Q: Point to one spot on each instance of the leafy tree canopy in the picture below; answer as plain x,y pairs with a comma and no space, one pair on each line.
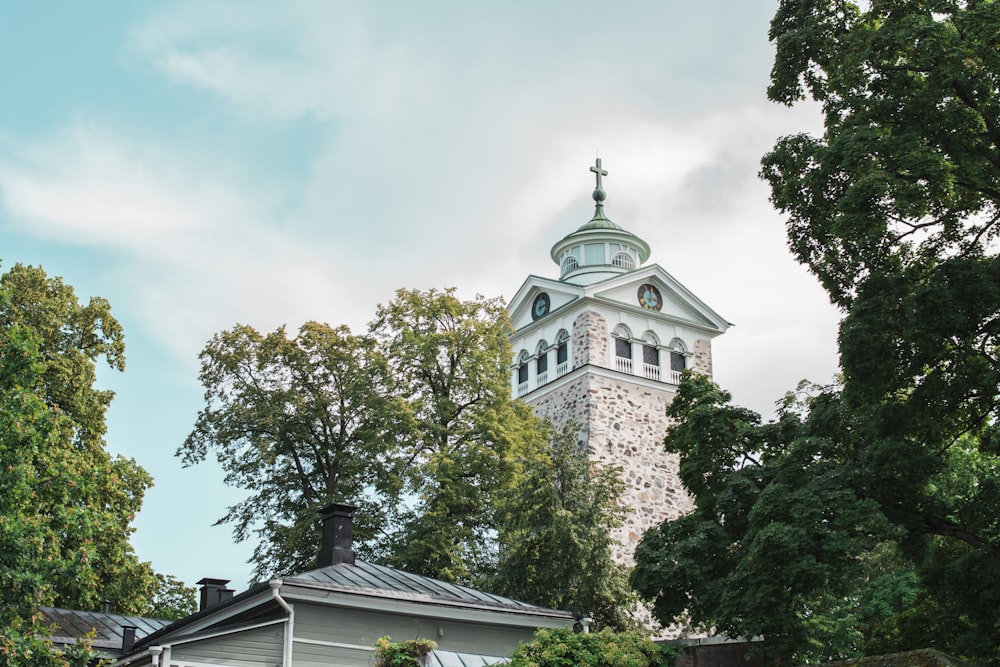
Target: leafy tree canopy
66,505
562,647
554,532
797,536
907,169
413,421
863,519
300,423
449,361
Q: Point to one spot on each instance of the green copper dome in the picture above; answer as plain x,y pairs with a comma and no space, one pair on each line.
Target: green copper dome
599,249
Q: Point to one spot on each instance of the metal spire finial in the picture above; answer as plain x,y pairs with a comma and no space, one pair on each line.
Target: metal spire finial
598,191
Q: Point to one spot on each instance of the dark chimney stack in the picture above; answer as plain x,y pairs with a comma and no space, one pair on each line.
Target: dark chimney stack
128,638
213,591
338,535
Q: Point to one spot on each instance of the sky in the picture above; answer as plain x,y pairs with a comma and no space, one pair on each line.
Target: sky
203,164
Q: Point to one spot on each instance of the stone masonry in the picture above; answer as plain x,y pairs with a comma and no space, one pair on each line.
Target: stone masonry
623,422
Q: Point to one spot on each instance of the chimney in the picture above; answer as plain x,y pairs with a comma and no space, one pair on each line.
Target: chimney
338,535
213,591
128,638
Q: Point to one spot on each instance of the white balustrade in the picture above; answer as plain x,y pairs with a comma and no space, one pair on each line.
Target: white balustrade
623,364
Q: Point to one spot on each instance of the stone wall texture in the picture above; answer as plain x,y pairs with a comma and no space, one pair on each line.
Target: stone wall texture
589,340
702,357
623,423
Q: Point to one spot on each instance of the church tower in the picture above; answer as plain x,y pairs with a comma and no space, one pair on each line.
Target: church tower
604,345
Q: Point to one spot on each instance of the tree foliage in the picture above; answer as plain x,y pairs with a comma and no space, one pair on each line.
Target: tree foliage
562,647
864,518
907,170
776,546
66,505
407,653
300,423
24,642
449,361
554,532
413,421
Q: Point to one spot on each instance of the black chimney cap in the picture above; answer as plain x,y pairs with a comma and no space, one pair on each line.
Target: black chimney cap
337,546
213,591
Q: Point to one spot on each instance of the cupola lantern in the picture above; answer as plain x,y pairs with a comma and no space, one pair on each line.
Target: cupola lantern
600,249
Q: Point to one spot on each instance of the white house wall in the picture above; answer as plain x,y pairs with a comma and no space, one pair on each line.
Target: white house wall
328,635
260,647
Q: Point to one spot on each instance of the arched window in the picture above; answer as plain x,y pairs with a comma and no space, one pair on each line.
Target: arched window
562,353
542,364
624,260
623,348
650,356
678,360
569,264
522,373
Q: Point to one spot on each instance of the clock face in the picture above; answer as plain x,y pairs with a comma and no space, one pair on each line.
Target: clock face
650,297
540,308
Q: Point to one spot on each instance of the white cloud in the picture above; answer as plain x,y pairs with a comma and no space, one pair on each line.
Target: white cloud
195,251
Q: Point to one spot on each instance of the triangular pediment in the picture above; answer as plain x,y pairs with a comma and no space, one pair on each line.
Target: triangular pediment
539,297
656,292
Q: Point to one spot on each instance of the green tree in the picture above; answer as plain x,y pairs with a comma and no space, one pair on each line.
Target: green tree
895,209
173,600
299,423
71,337
907,168
449,360
66,505
554,532
562,647
25,642
773,548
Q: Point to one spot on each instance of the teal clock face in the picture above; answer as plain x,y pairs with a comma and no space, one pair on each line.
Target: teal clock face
650,297
540,307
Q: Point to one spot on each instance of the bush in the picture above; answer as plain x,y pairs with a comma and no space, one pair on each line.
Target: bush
564,648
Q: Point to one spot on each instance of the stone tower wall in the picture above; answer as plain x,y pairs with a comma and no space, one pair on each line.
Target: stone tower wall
589,340
702,357
623,423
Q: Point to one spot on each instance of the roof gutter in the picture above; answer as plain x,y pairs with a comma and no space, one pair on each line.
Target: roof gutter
286,651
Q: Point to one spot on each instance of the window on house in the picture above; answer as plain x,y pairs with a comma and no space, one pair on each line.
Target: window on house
650,355
623,355
623,260
677,361
542,363
651,362
562,354
569,264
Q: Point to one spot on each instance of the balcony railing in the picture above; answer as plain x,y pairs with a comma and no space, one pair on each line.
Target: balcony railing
651,371
562,369
623,364
522,388
543,377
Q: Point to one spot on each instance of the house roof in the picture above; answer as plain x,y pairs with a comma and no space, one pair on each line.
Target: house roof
364,580
69,625
452,659
378,580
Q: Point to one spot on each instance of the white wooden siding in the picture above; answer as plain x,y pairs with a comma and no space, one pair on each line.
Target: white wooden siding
361,628
252,648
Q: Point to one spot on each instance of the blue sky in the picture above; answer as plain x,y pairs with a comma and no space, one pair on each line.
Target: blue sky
212,163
